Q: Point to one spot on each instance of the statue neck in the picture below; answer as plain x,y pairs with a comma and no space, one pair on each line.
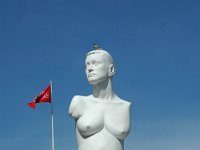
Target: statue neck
104,90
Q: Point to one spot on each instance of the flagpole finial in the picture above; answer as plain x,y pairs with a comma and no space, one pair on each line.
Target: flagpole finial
96,47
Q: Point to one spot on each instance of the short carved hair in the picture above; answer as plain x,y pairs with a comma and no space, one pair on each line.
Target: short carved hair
105,53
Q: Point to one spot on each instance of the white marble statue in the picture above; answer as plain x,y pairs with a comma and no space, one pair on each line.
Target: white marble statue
102,119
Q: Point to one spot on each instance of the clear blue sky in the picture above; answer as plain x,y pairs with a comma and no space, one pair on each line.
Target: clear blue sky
156,48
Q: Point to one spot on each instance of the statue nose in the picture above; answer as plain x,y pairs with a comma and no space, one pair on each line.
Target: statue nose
90,69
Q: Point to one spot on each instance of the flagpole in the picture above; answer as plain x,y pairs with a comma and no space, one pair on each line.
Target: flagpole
52,119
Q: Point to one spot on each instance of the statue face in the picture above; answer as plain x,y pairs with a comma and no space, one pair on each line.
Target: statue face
97,68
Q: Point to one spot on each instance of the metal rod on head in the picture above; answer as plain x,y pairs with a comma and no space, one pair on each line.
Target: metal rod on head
96,47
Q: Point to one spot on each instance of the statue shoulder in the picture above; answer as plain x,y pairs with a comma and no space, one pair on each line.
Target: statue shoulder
76,106
80,97
125,103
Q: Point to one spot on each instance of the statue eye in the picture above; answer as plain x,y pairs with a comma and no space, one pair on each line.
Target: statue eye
87,64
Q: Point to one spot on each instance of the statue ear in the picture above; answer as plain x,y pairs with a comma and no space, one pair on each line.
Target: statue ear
111,70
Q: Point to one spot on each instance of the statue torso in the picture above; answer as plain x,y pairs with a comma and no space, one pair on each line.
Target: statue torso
100,124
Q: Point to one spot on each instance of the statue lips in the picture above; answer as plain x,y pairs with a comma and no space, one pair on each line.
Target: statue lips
91,75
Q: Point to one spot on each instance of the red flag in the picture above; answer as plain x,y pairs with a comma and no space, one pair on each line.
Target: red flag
44,96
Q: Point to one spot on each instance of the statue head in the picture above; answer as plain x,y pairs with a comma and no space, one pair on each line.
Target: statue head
99,66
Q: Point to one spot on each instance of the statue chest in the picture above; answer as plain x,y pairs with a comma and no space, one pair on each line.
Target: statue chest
95,116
